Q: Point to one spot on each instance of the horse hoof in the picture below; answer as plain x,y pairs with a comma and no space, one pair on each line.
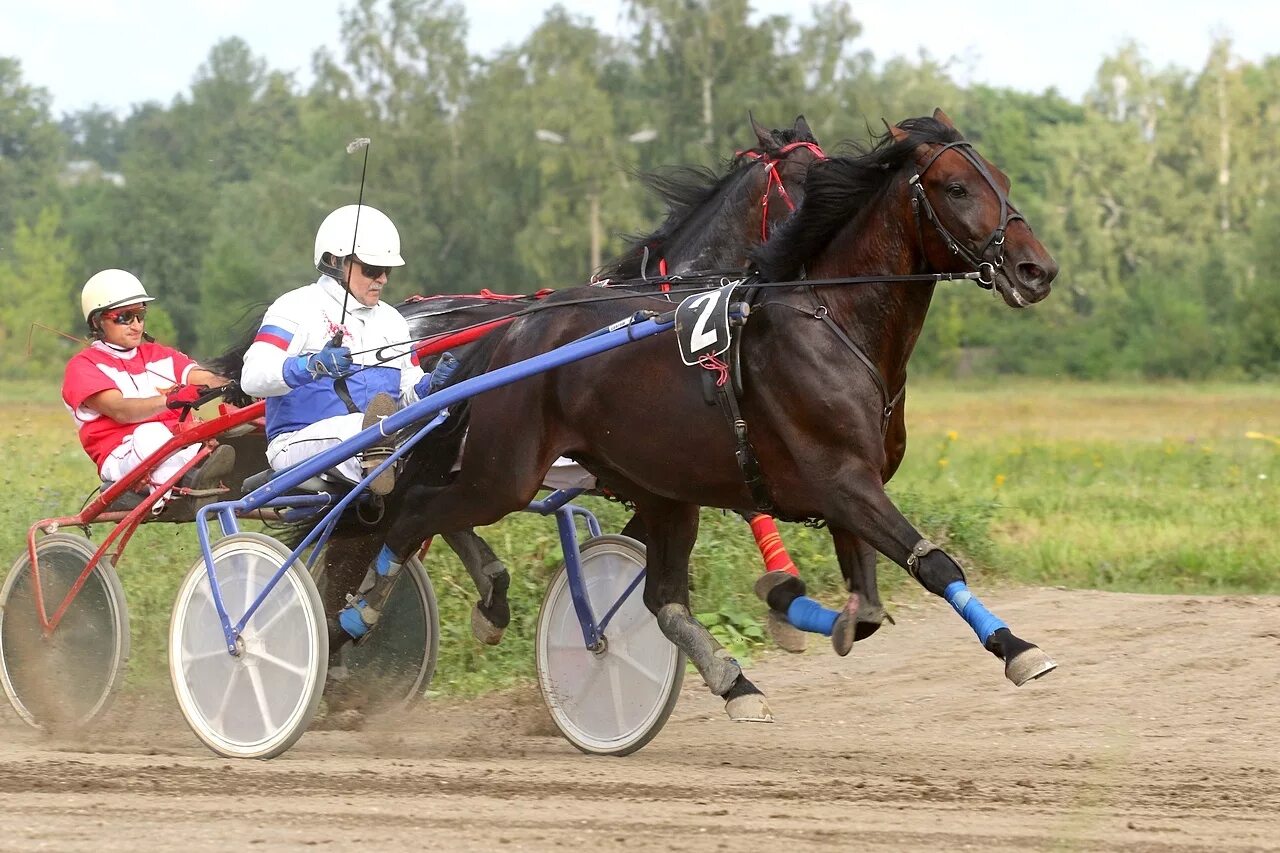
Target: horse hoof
844,632
767,581
1028,665
750,708
484,630
788,637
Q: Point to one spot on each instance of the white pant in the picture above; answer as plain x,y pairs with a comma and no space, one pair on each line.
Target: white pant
141,443
567,474
289,449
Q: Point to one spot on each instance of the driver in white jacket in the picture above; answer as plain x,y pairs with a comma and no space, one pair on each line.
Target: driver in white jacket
298,365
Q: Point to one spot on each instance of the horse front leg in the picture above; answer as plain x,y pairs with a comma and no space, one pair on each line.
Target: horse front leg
866,510
862,614
671,529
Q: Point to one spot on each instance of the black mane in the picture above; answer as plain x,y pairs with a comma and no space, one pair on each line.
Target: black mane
837,190
686,190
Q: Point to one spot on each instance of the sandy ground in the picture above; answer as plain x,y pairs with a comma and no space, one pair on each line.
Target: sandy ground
1159,731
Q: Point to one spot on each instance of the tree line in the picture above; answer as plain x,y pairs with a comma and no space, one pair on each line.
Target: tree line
516,171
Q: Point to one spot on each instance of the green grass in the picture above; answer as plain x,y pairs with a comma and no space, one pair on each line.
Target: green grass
1152,488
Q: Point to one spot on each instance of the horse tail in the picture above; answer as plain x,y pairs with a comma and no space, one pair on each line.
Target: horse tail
230,363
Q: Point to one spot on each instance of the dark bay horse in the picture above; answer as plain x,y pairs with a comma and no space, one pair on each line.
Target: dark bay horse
819,358
714,220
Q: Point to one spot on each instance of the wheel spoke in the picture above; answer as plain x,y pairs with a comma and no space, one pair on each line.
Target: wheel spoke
260,696
281,663
630,661
190,658
281,610
615,687
216,720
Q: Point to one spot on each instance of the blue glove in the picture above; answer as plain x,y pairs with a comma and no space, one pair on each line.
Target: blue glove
437,378
331,361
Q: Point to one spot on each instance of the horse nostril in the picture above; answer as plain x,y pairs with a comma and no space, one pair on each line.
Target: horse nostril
1031,275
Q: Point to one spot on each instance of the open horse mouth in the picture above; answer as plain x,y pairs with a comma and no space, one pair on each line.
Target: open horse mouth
1028,284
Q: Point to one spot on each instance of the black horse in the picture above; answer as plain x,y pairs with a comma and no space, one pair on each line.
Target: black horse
820,360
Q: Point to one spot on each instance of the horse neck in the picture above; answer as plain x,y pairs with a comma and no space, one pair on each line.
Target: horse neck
884,319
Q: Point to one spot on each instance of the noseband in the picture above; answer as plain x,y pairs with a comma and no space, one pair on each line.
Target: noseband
995,243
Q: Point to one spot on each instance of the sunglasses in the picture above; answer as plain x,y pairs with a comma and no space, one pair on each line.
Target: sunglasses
371,271
125,316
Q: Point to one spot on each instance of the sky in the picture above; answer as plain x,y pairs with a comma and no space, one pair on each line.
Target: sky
117,53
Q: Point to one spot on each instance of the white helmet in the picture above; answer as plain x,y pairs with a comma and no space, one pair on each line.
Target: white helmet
377,243
110,289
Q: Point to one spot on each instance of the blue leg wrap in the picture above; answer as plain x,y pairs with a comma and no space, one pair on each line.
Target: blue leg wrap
383,564
352,621
809,615
983,622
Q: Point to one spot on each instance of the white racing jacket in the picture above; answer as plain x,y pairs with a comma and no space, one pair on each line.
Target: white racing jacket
303,321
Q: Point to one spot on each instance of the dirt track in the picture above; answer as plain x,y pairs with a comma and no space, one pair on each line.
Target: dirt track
1160,731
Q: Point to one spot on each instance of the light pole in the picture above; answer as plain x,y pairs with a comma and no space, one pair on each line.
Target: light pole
646,134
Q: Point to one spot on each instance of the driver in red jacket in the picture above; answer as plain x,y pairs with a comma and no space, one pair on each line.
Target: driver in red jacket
125,391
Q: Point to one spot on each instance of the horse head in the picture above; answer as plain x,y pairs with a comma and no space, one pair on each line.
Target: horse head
715,219
920,200
960,203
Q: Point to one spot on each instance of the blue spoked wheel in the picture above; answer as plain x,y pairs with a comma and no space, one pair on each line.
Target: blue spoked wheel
614,700
257,702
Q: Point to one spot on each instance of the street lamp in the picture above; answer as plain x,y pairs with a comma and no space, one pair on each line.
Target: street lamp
641,136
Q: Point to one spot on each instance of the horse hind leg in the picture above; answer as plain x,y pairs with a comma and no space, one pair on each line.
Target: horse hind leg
672,528
492,613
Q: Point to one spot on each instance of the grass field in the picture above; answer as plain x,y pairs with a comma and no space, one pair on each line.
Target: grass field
1148,488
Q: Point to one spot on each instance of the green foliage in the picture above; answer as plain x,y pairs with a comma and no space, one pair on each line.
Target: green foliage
517,171
43,292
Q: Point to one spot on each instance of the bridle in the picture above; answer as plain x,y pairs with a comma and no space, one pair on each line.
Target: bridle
994,243
773,179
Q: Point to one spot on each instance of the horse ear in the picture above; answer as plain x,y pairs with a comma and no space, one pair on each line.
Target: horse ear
898,134
763,134
942,118
801,129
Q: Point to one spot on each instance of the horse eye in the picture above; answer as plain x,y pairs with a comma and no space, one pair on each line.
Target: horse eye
956,191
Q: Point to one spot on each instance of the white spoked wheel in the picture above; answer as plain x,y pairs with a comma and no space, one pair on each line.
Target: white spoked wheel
66,680
390,668
258,702
614,700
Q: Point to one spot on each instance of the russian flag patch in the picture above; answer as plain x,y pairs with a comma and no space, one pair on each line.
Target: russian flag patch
275,336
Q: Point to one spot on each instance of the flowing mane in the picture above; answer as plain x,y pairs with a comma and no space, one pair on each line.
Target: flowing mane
693,195
837,190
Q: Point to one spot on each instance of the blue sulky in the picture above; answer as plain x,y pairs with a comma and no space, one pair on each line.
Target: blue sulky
434,410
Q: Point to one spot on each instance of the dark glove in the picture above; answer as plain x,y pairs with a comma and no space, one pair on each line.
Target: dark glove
331,361
437,378
181,396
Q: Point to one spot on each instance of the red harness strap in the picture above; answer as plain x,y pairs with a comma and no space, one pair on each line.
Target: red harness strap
486,294
440,343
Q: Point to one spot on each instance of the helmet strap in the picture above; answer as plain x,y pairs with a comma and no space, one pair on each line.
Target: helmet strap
332,268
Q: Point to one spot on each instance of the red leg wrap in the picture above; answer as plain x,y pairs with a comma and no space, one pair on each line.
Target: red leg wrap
776,558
